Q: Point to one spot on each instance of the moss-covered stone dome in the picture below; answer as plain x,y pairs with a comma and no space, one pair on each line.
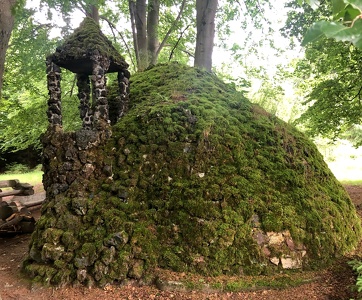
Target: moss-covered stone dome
200,180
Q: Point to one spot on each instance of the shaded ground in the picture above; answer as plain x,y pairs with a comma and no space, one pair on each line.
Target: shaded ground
334,283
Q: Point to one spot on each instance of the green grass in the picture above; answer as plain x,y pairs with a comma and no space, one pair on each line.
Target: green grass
34,177
344,160
351,181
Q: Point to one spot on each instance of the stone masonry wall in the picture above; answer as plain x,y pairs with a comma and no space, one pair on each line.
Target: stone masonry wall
72,159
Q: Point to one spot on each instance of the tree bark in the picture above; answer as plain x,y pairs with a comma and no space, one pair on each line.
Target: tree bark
205,25
94,13
6,27
132,13
152,30
141,27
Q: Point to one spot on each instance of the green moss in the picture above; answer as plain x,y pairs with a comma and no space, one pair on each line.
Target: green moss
69,240
51,235
44,273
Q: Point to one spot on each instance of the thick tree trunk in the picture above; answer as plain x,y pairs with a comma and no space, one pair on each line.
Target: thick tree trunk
132,13
152,30
94,13
205,25
6,27
141,27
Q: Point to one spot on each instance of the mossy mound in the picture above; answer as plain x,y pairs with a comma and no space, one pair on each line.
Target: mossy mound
202,181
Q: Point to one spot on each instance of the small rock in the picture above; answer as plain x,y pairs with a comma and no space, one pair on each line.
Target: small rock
261,238
81,275
290,243
266,251
290,263
275,260
275,238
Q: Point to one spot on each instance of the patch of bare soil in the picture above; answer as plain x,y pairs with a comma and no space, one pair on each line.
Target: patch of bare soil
336,283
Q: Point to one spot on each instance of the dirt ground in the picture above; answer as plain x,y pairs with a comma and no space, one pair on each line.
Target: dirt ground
336,283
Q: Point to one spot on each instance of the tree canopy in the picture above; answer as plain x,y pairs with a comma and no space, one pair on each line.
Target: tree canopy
329,72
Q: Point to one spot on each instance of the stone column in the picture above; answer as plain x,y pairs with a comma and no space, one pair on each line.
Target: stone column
54,112
100,67
123,84
85,110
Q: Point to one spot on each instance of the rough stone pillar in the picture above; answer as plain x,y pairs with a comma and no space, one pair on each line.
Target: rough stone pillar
123,84
54,112
85,110
100,67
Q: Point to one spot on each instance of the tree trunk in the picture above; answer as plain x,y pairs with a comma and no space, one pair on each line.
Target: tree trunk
95,13
6,27
141,27
152,30
205,25
132,13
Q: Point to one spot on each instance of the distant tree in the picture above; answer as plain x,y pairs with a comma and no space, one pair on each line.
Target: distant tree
145,20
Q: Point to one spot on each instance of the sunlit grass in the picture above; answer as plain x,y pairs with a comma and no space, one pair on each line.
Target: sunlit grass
351,182
344,160
347,171
33,178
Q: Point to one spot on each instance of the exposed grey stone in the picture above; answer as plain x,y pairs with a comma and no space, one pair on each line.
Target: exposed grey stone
81,275
291,262
51,252
118,240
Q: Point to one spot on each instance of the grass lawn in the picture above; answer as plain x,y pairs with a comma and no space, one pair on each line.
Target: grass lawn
34,177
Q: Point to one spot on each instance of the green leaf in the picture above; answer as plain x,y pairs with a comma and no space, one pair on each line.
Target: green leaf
350,34
320,29
355,3
313,3
351,13
337,6
348,14
336,31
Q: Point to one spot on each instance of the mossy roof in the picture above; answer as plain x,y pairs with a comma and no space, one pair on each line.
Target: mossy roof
87,40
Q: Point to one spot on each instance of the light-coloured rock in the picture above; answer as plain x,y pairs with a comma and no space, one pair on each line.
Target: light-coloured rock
289,262
275,260
275,238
